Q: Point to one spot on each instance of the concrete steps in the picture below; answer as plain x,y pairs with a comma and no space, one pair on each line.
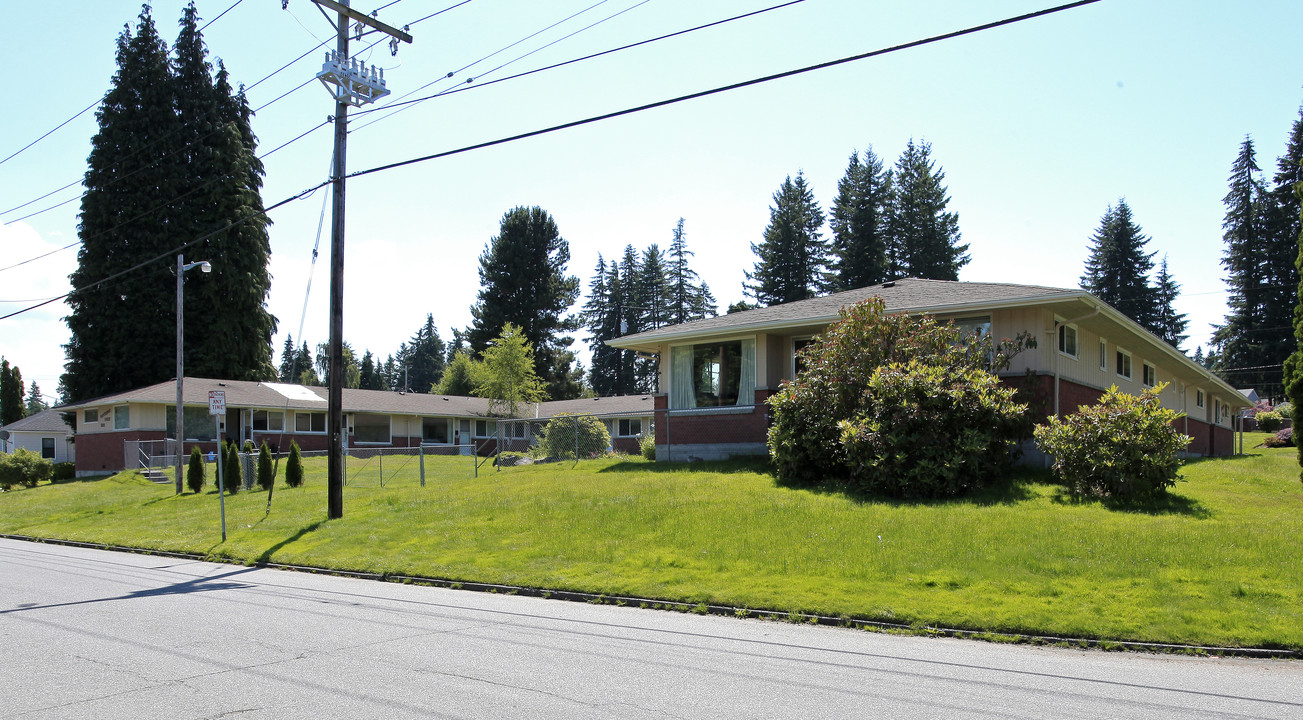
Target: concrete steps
154,475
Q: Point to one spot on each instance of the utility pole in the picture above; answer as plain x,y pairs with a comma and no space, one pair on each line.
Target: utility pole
351,84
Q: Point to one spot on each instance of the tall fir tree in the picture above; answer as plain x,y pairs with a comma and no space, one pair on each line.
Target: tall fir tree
12,407
424,357
115,344
1247,341
285,372
924,237
1286,222
35,400
602,321
859,220
523,281
1169,324
791,259
1117,269
689,298
653,312
173,161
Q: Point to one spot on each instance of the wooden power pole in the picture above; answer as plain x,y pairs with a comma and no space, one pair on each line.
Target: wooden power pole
352,84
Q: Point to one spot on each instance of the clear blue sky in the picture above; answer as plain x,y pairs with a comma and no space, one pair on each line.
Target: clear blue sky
1038,127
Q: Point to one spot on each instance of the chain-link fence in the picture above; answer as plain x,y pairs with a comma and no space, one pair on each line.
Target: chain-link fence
569,438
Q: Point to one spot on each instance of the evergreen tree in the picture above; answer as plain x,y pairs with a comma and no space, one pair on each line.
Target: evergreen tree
1248,339
924,237
1117,270
1286,228
115,344
628,299
653,296
1169,324
12,408
859,219
689,299
507,376
307,375
423,357
523,282
173,161
195,474
602,321
35,402
286,372
791,258
371,377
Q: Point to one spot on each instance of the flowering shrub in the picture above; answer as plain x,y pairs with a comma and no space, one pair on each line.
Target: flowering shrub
1283,438
1269,421
1124,447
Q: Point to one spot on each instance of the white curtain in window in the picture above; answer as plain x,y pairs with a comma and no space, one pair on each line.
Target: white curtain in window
746,386
682,394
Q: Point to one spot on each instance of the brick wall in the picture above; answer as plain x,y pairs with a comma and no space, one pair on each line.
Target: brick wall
721,425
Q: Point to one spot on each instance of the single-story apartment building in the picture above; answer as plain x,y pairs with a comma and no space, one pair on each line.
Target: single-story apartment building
110,428
716,373
45,433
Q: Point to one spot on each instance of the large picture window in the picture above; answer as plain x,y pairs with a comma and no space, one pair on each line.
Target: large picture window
434,430
122,417
199,424
370,428
309,422
265,420
713,374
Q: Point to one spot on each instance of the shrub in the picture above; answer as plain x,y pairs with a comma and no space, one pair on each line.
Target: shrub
929,431
231,469
568,435
23,468
248,446
1283,438
805,439
196,474
1124,447
1269,421
64,471
266,471
1285,410
294,466
647,446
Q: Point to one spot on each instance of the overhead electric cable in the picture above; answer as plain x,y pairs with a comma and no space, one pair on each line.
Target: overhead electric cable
685,31
727,88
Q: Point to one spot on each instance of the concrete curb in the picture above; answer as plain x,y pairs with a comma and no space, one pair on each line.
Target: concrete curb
722,610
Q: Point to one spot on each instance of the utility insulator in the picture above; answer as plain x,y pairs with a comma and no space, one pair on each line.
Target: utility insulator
352,81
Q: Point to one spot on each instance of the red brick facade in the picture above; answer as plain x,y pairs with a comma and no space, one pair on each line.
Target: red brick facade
702,426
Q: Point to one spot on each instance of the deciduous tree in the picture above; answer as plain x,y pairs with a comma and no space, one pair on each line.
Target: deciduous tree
507,376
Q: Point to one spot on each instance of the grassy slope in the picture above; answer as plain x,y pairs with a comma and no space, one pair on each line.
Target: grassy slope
1218,563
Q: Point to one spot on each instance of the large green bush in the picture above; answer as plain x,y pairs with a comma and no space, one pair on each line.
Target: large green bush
23,468
1124,447
806,438
647,446
1269,421
266,471
294,466
568,435
64,471
930,431
196,474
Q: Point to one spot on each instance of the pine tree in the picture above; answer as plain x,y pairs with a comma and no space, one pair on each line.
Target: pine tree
924,237
423,357
286,372
1117,270
1247,339
307,374
1169,324
602,321
12,408
689,299
35,402
859,220
791,258
653,293
1285,219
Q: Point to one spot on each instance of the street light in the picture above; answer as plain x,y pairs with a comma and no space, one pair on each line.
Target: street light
181,267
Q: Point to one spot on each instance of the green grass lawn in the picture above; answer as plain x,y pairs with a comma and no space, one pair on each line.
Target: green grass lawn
1220,562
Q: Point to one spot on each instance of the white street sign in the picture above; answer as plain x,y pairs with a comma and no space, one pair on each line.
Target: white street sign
216,402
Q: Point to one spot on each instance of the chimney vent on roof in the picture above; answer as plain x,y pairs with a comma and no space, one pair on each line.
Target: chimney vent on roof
889,283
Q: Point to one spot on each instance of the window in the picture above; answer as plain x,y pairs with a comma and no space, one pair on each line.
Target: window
198,423
486,428
1124,363
122,417
268,420
90,416
1068,340
713,374
1198,398
1103,355
309,422
434,430
628,427
47,448
369,428
798,362
1217,411
1151,375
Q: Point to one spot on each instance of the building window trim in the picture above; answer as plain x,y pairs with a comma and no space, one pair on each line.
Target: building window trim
1149,374
1199,398
1069,342
1103,355
1123,362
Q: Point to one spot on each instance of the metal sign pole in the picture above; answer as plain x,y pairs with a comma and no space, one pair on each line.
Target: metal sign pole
217,408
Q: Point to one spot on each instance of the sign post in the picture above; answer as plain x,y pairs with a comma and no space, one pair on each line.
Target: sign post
217,408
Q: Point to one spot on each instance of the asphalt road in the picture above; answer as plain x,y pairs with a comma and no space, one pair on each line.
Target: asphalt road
93,634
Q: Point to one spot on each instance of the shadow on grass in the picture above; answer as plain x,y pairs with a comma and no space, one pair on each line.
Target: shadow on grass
269,552
1014,488
1166,504
735,465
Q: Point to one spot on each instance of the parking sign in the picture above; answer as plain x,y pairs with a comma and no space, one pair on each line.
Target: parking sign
216,402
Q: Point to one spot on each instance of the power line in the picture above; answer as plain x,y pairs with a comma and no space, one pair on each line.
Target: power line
685,31
727,88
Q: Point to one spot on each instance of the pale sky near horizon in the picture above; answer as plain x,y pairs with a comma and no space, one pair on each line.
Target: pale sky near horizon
1038,126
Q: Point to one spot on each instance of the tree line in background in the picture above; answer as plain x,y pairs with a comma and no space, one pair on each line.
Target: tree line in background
174,159
886,224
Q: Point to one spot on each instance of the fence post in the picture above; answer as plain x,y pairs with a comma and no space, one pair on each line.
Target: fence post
381,457
575,418
669,446
420,451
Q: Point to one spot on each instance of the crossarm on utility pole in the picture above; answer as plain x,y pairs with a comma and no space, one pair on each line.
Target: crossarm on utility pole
364,19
